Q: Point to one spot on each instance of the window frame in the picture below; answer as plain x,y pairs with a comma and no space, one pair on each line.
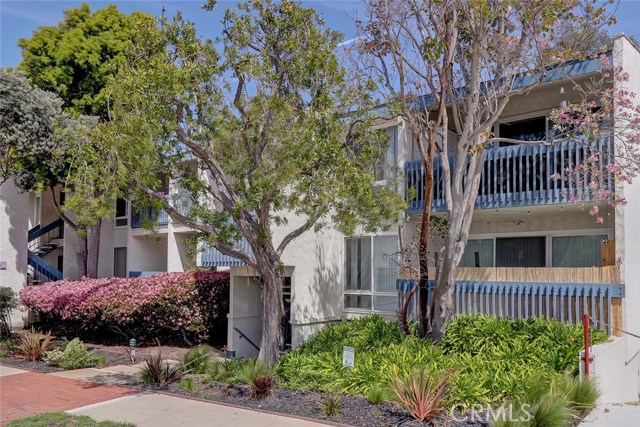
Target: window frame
548,234
125,217
372,293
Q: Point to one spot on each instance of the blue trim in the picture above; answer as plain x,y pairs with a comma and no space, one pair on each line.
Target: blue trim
513,176
133,274
211,257
38,231
152,216
43,267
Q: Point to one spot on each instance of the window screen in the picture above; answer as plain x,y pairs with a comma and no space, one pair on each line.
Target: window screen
520,252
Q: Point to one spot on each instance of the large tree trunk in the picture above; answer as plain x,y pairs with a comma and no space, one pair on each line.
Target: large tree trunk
272,306
93,249
82,255
464,198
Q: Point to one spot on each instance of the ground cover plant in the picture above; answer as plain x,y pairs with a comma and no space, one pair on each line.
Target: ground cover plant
74,356
489,359
188,304
60,419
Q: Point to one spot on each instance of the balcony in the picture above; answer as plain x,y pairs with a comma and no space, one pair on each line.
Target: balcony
157,218
519,175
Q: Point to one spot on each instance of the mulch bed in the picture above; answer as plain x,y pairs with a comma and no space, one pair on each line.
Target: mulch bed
14,361
357,411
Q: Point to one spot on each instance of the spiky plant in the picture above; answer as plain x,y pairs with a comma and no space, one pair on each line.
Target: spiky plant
422,395
32,345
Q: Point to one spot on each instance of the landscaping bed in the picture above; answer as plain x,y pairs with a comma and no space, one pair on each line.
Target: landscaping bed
357,411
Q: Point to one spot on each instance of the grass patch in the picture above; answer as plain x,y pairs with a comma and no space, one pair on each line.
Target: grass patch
61,419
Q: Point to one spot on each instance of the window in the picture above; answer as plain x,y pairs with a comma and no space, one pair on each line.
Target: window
387,162
121,212
37,210
478,253
524,130
119,262
576,251
520,252
372,270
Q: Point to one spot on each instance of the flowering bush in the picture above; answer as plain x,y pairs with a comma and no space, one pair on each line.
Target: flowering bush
188,303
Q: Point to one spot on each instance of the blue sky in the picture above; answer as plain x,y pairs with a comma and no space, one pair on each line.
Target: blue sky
19,18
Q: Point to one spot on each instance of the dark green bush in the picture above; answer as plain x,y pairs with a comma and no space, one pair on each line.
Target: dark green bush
490,359
8,302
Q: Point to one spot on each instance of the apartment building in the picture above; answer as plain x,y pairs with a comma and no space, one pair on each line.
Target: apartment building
531,250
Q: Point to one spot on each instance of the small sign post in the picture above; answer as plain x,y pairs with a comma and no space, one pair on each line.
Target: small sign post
348,356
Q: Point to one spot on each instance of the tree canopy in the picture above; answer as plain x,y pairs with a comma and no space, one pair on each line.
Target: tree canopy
29,121
269,120
76,58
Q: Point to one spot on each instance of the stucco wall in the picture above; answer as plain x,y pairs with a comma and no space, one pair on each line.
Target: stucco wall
14,224
146,253
627,224
245,313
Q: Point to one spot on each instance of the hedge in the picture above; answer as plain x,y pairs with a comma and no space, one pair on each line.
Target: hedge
189,304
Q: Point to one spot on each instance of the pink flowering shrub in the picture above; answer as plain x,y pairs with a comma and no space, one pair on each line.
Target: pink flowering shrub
165,304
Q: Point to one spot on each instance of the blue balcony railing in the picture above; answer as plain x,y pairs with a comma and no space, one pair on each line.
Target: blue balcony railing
520,175
148,216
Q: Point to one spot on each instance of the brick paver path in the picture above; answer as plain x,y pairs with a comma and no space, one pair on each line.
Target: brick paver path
31,393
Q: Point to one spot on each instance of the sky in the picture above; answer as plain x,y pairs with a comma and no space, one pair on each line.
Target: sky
20,18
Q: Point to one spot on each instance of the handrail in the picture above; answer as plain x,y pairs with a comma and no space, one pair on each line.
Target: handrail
43,267
38,231
242,335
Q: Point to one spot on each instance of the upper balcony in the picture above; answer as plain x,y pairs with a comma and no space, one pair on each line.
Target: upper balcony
141,217
518,175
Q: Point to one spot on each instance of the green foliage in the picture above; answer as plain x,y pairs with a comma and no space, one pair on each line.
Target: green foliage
74,356
8,302
581,394
378,394
188,384
29,122
330,404
61,419
199,359
490,359
224,370
552,410
423,395
250,369
77,58
158,370
33,345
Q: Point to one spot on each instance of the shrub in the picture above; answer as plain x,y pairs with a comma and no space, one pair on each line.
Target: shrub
187,384
262,386
158,370
379,394
8,302
581,394
422,394
550,411
156,305
330,404
33,345
249,369
199,359
490,359
74,356
224,370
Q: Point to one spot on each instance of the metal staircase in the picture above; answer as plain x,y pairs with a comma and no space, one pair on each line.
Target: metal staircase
42,241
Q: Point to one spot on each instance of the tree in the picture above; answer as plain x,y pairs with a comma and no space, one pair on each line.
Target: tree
28,120
268,125
448,65
76,59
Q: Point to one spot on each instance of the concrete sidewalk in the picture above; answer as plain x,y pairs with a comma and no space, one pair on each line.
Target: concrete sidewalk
613,415
159,410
